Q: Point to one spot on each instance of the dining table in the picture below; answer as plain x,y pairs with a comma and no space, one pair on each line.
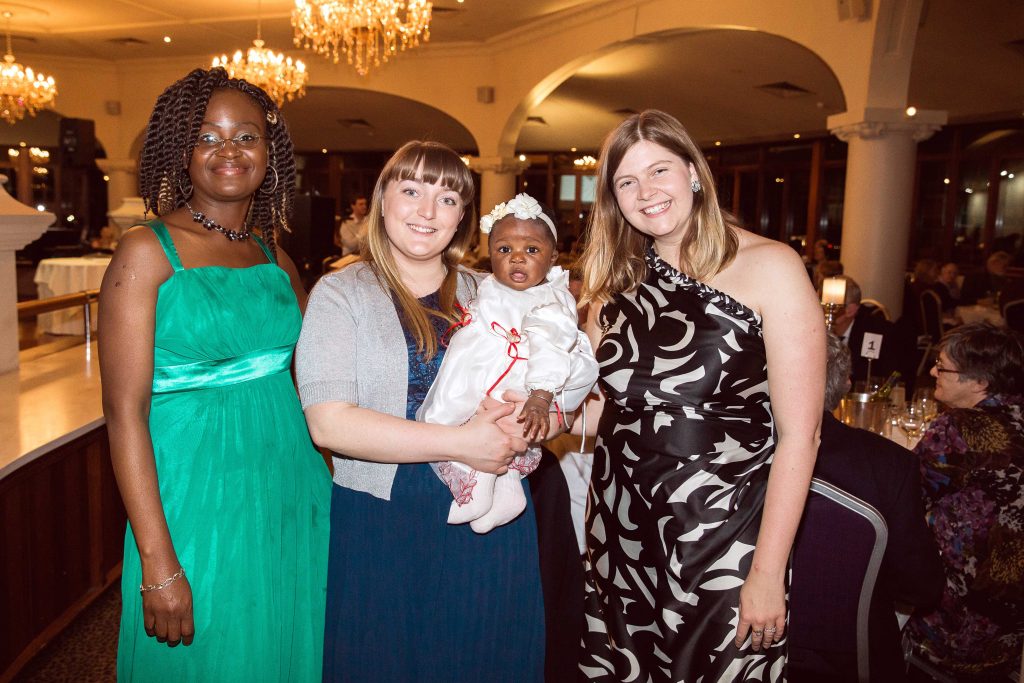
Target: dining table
57,276
980,313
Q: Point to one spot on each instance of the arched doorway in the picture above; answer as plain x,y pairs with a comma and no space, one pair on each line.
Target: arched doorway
733,89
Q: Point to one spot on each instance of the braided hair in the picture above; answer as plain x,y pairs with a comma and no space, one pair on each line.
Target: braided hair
171,136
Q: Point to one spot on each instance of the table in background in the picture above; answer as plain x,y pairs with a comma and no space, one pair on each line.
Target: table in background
977,314
57,276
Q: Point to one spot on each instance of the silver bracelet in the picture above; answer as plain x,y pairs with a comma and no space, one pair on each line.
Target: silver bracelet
546,400
143,588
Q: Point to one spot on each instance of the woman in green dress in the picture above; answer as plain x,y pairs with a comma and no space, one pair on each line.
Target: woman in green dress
227,499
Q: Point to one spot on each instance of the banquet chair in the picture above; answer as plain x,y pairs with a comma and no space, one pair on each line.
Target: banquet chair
931,323
876,308
1013,313
834,580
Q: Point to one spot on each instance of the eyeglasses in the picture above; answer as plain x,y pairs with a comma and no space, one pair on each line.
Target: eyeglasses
939,369
212,143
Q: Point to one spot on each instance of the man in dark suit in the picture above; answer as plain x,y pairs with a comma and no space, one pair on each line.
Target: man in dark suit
885,476
898,350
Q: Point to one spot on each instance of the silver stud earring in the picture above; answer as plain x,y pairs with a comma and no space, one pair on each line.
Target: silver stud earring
695,185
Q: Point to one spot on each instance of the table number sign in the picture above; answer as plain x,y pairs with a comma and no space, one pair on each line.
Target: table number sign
871,346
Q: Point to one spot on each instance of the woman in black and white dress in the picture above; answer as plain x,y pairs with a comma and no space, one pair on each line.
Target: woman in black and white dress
711,346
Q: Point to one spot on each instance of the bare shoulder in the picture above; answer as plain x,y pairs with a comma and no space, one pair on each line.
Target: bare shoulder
286,263
762,273
139,258
766,256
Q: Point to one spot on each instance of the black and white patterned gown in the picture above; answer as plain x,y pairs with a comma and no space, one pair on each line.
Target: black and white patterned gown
680,472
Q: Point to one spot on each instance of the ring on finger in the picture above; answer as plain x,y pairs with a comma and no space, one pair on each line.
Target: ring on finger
757,634
770,629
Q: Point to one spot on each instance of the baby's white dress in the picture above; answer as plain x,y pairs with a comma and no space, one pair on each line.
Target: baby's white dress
520,340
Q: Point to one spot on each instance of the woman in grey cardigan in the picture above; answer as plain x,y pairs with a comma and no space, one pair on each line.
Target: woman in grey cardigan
397,608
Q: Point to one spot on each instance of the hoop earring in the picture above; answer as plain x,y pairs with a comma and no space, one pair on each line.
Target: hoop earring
695,185
271,190
191,189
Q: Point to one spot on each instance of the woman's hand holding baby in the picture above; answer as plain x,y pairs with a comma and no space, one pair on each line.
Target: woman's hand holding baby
486,446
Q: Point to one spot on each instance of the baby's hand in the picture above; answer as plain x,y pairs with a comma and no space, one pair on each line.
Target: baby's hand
535,416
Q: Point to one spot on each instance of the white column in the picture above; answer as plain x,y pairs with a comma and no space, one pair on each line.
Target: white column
497,183
124,180
19,225
880,166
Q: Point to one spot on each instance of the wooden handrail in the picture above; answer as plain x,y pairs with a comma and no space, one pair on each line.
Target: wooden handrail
30,309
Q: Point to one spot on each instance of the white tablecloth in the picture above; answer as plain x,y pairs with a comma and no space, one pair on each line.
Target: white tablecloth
977,314
57,276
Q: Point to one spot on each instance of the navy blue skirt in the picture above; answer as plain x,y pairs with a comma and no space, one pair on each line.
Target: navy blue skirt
412,598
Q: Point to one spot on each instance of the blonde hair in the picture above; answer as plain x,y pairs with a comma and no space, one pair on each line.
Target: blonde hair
613,258
433,163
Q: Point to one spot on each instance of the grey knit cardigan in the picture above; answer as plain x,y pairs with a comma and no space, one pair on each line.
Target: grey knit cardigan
352,349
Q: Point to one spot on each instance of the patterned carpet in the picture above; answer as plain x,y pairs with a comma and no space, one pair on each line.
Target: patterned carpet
86,652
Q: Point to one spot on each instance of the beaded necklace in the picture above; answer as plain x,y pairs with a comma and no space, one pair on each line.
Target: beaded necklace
211,224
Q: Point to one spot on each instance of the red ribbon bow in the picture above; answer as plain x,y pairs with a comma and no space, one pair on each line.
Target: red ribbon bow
513,338
466,319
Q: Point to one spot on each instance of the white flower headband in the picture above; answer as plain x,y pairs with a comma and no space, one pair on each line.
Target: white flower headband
523,206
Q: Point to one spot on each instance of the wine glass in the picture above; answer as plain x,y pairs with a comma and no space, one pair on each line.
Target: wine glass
911,421
924,397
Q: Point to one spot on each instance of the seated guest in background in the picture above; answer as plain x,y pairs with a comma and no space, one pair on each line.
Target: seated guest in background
948,286
971,458
825,269
926,273
820,255
349,235
896,353
822,645
820,251
924,279
352,231
988,283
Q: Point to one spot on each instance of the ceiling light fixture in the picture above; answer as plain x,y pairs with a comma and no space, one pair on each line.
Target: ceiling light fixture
21,89
281,77
367,32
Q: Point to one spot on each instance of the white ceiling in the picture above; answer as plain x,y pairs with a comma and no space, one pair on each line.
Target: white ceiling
332,118
93,28
708,79
965,63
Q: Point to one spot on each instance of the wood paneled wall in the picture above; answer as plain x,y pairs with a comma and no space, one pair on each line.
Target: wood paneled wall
61,541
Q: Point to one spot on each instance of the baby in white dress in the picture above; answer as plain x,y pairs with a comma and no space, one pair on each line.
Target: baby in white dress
520,333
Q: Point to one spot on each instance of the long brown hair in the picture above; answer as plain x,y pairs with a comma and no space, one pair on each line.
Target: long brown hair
613,258
434,163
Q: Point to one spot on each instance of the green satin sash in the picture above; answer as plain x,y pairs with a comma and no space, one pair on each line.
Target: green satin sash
221,373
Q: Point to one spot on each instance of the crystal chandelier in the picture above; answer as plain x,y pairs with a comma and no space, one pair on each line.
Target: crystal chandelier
368,32
21,89
279,76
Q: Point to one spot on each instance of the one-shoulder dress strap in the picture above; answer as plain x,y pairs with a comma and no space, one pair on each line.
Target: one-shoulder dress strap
160,230
266,250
